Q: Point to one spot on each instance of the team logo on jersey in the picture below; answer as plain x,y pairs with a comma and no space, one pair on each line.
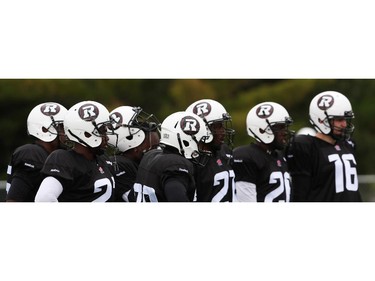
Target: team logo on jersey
325,102
202,109
189,125
88,112
116,117
101,170
29,165
264,111
183,170
50,109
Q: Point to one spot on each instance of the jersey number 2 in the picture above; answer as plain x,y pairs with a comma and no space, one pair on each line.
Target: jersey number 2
226,178
101,184
284,180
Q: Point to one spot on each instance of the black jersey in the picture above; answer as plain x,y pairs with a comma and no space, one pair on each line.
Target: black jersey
323,172
215,181
82,180
125,173
156,168
267,170
23,175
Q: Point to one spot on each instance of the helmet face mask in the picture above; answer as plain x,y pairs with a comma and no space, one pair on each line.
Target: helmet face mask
339,132
212,113
44,121
327,107
282,134
55,127
130,126
102,129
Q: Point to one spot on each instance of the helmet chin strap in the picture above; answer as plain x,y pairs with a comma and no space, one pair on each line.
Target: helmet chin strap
182,151
262,132
256,137
314,125
79,139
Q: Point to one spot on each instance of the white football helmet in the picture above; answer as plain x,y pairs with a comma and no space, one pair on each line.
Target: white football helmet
184,130
44,119
212,111
329,105
262,117
83,121
129,127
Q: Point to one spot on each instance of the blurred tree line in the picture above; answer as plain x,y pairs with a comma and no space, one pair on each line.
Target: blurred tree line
164,96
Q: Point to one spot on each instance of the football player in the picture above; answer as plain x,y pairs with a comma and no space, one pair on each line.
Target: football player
167,175
136,132
44,124
323,167
261,169
80,174
215,180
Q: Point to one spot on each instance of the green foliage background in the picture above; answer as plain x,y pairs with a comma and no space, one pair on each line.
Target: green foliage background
164,96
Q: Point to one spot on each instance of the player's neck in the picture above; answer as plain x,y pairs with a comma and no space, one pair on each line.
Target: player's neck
266,148
133,154
326,138
48,146
206,147
84,151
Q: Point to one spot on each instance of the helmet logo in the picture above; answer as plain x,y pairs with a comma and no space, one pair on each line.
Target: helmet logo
50,109
116,117
189,125
202,109
325,102
88,112
264,111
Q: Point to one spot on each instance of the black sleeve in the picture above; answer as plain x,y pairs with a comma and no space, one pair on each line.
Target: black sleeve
175,190
125,179
299,156
24,187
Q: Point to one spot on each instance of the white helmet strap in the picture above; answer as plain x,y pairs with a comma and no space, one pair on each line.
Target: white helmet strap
78,138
